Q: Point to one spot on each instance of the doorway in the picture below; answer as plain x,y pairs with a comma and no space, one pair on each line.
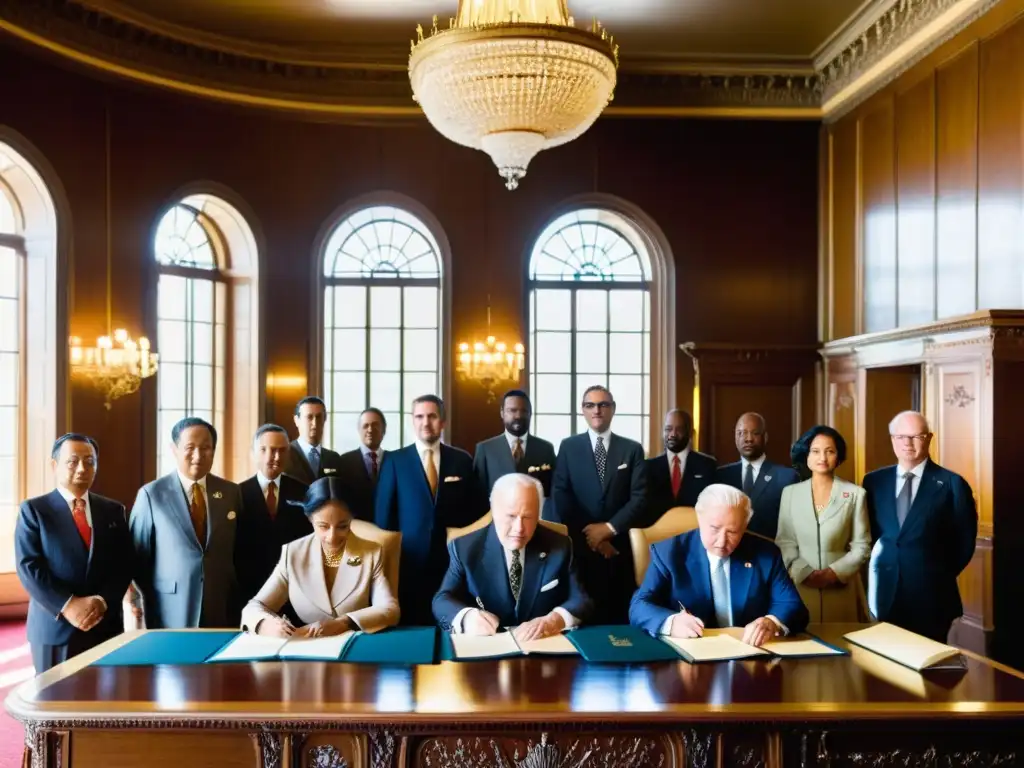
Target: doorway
887,391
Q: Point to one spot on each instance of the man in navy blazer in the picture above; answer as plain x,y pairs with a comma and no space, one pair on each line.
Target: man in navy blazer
512,573
74,558
925,524
761,480
676,477
718,577
599,492
424,489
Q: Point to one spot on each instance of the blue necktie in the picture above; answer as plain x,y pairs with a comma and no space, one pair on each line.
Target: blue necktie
720,594
314,459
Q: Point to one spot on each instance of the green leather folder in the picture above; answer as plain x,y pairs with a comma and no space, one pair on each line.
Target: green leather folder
180,647
620,644
402,646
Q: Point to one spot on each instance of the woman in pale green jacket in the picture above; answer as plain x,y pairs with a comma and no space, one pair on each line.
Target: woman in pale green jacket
824,533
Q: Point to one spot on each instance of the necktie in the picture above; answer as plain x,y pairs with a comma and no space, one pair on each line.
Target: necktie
677,476
517,451
198,514
78,513
515,575
905,497
748,479
720,594
373,466
428,465
314,459
601,458
272,500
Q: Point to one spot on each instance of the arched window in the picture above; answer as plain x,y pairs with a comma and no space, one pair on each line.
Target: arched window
590,284
382,341
207,327
32,326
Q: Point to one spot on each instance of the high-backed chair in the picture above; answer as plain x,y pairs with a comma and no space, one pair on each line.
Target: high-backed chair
390,542
483,522
677,520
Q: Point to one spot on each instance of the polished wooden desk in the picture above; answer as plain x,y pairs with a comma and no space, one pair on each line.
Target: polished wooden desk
525,713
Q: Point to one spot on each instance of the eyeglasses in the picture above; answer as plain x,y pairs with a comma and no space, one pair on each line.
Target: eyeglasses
604,404
911,438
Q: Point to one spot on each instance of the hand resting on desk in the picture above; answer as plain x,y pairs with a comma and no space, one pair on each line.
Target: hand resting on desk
539,628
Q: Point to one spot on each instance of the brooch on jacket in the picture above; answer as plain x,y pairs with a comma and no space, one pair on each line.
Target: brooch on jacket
541,468
218,495
354,560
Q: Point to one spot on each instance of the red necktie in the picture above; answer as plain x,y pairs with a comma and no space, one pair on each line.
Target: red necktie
272,500
677,476
78,513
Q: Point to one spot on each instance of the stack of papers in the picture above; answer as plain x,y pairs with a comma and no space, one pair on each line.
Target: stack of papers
249,647
721,645
504,644
907,648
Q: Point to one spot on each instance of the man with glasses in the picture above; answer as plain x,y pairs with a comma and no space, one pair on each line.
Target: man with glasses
599,490
925,524
760,479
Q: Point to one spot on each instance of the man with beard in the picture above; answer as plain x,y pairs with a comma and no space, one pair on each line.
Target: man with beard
761,480
676,478
516,451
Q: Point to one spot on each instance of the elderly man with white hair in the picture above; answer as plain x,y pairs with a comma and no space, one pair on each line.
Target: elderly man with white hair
718,577
512,573
925,523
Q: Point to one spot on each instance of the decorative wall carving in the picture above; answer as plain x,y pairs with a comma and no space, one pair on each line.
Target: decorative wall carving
959,397
382,749
325,756
620,751
268,744
817,753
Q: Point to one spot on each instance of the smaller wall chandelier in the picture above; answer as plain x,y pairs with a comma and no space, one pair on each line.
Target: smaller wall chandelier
116,366
490,362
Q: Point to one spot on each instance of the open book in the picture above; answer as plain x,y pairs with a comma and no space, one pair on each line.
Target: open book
504,644
724,645
907,648
250,647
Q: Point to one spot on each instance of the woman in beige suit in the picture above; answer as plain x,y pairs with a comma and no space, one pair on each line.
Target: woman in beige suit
333,579
824,533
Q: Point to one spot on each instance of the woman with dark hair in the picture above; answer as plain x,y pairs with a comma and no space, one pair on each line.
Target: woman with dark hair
333,579
824,533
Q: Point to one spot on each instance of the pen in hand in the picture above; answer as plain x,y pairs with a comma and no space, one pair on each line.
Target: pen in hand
682,608
480,603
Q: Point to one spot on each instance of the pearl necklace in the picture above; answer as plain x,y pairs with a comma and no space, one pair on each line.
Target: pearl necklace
331,561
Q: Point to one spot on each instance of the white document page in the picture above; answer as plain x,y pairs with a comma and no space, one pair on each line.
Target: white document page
250,647
475,647
322,648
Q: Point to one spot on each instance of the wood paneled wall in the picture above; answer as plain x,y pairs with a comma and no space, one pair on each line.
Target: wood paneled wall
736,201
924,188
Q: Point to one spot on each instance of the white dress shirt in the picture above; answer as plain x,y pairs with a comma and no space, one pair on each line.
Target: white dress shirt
756,464
421,447
683,455
571,622
69,497
512,441
607,435
265,484
915,479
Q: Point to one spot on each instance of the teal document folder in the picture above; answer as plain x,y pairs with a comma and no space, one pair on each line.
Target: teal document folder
401,645
620,644
167,647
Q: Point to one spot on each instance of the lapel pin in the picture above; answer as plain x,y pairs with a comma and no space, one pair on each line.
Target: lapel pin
747,565
767,478
231,515
939,482
543,555
218,495
846,494
354,560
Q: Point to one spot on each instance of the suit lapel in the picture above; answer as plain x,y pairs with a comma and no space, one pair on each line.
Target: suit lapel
699,569
503,456
661,475
534,576
414,456
835,501
176,500
495,553
615,453
348,576
61,512
216,507
887,501
310,576
930,485
764,477
300,460
740,573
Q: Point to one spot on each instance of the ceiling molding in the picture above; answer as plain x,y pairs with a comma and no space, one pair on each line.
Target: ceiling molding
873,47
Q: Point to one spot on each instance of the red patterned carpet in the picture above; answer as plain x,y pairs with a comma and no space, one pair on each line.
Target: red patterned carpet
15,668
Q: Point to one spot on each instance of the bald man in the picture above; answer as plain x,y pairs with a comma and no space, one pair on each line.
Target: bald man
758,478
676,477
925,524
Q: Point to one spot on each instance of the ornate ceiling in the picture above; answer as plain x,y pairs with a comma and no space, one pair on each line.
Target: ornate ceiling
344,58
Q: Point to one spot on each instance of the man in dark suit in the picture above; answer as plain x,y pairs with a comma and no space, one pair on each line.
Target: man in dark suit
360,469
925,524
183,529
599,493
676,478
717,577
424,489
758,478
74,558
515,450
513,573
308,459
273,512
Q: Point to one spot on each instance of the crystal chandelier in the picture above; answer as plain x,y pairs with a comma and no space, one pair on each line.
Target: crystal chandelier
115,366
490,362
513,77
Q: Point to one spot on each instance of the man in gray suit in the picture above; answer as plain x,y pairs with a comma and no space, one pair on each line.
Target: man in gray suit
183,528
515,450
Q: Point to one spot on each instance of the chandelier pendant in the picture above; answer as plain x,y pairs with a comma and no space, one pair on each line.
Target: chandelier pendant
512,78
